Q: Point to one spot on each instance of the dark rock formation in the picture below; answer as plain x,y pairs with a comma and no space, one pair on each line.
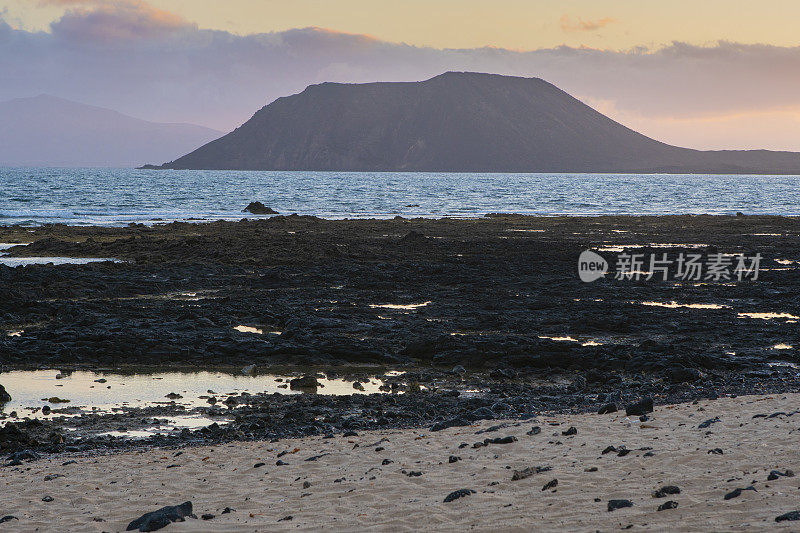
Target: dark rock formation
305,382
639,408
163,517
257,208
12,438
456,494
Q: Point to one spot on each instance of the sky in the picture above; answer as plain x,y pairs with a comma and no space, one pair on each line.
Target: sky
711,74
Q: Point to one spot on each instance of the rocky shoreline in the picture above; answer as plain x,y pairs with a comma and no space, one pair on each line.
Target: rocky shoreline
492,305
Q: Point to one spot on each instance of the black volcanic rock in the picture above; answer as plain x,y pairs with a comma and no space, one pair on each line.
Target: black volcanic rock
4,396
257,208
457,121
161,518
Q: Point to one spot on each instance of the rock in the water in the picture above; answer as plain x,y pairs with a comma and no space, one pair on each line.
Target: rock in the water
306,382
257,208
456,494
613,505
4,396
671,504
665,491
8,518
571,431
56,399
639,408
163,517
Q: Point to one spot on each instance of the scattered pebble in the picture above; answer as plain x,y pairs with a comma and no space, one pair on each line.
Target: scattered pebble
666,490
550,485
735,493
613,505
456,494
528,472
668,505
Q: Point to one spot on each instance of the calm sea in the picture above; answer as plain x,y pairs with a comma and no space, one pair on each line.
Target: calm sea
120,196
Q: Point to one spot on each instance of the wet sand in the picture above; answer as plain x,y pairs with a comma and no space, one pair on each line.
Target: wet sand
364,482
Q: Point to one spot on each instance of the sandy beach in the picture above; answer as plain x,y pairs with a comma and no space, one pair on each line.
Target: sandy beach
370,481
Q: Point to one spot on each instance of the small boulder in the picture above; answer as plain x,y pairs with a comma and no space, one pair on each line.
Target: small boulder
257,208
550,485
639,408
613,505
456,494
12,438
4,396
607,409
791,516
666,490
163,517
306,382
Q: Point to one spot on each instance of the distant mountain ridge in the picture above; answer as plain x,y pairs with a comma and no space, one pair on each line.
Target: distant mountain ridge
48,131
457,121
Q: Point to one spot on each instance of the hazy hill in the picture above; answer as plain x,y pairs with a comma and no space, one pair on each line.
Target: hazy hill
455,122
49,131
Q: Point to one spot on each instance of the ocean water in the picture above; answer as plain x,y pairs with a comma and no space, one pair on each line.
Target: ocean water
32,196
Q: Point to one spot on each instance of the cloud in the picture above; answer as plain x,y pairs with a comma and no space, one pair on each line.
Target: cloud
570,25
130,57
45,3
110,21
